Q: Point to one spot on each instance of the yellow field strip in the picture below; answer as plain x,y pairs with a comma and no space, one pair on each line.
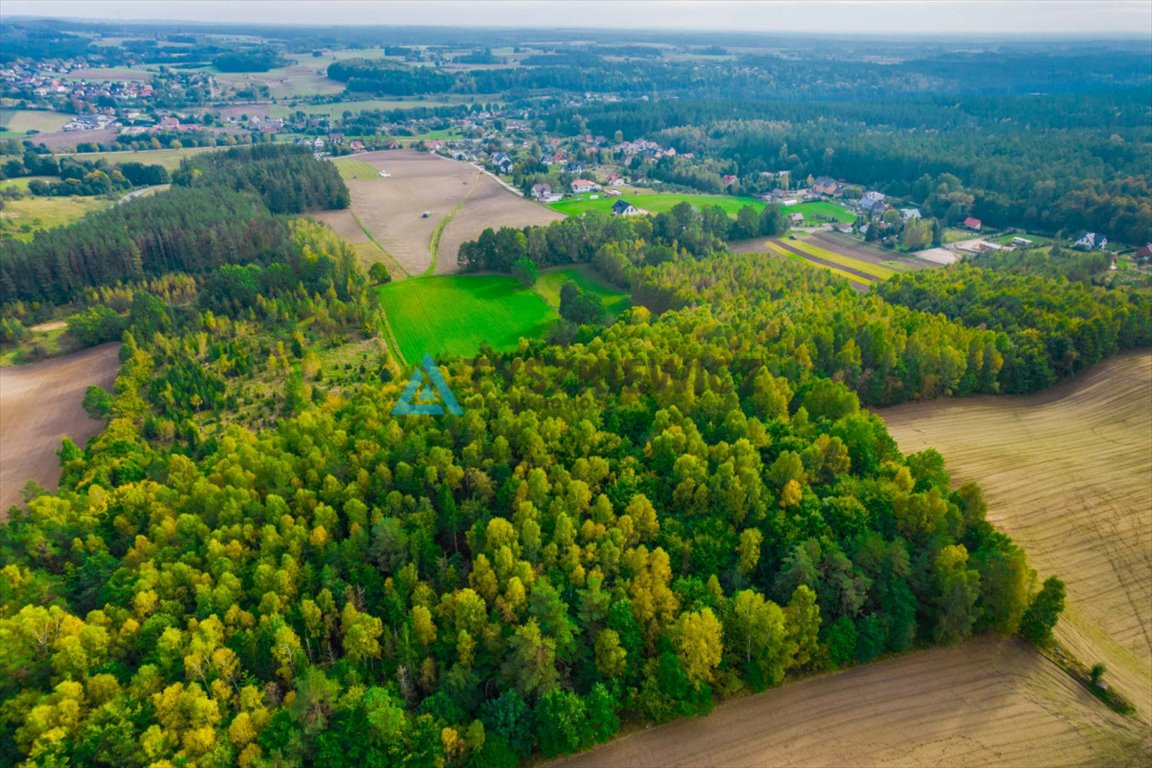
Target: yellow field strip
875,270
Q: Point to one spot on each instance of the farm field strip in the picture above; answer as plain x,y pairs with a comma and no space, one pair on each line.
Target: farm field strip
853,273
1066,473
985,703
852,264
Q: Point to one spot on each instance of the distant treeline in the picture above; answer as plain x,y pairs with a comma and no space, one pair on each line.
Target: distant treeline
72,168
221,211
1069,162
260,60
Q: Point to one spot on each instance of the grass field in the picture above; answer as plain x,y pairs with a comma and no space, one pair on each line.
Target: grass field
22,218
1066,473
355,169
454,315
447,316
655,202
169,158
822,210
22,182
24,120
550,281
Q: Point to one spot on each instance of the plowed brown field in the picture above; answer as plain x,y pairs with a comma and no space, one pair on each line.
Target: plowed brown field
40,405
1068,474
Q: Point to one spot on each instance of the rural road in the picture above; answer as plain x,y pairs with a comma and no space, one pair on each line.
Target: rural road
40,404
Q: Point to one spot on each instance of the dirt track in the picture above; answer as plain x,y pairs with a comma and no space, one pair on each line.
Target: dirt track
984,703
1068,474
40,404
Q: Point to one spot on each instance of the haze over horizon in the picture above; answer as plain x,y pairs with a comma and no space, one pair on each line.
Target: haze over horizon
1112,18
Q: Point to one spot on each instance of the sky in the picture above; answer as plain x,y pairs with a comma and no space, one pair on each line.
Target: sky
1024,18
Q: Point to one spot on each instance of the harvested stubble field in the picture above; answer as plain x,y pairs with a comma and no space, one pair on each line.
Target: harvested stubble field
461,201
1067,474
40,404
987,702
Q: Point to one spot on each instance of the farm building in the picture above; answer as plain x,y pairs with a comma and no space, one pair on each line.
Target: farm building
1090,241
1143,253
796,218
1021,241
826,185
624,208
973,224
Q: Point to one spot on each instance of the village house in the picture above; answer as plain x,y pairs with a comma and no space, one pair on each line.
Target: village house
972,223
796,218
729,180
826,185
1143,253
624,208
908,214
1090,241
541,190
580,186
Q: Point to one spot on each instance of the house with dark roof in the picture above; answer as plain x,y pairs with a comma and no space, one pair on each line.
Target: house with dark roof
1090,241
1143,253
624,208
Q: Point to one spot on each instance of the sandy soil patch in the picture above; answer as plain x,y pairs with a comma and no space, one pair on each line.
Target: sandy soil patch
1068,474
984,703
40,405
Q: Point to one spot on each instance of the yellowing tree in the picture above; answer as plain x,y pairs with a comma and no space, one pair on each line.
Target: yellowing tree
699,641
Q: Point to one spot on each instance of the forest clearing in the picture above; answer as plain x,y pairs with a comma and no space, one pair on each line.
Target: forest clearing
41,405
450,315
1066,474
986,702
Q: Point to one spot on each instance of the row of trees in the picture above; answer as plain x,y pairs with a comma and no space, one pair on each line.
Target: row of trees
577,239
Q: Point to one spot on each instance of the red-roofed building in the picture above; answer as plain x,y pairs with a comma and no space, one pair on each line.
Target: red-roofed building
973,223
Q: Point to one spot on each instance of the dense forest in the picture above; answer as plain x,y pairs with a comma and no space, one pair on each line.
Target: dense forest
221,210
685,504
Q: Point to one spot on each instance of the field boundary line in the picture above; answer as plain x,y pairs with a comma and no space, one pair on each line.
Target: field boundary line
392,262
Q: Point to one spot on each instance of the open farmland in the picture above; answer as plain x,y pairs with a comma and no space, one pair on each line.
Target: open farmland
453,315
24,120
461,201
40,404
987,702
337,109
1066,473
